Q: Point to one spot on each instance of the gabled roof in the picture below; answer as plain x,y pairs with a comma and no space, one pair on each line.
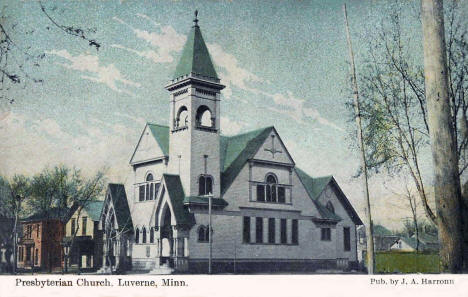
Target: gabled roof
55,213
93,209
176,195
315,186
236,150
161,134
195,57
122,211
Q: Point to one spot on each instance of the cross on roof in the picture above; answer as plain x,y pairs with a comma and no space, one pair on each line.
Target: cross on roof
272,150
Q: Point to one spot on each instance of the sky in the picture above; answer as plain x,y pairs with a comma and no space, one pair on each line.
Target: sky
284,63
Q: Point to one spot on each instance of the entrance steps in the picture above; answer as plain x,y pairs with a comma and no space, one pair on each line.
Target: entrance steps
162,269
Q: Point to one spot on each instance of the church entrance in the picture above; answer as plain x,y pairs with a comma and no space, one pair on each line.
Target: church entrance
166,239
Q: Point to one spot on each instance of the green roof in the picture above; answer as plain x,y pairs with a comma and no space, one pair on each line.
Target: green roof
93,209
236,150
314,187
122,211
161,134
381,230
176,195
55,213
195,57
203,200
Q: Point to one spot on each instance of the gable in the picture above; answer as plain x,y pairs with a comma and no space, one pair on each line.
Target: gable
153,144
273,150
175,192
117,194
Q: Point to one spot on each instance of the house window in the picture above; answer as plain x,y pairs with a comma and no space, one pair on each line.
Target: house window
152,235
37,230
271,230
259,230
36,257
295,232
246,230
325,234
143,235
203,234
73,226
347,238
205,185
84,223
137,235
281,195
330,207
284,234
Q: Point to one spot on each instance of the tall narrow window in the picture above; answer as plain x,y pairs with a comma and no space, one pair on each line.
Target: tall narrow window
202,234
271,188
246,230
36,257
326,234
137,235
271,230
205,185
152,235
84,223
281,195
37,230
143,235
73,227
149,187
295,232
259,230
261,193
284,234
347,238
141,195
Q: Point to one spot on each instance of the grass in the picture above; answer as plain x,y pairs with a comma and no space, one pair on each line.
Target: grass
407,262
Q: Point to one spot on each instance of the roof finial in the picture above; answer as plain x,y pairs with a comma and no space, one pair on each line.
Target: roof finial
195,20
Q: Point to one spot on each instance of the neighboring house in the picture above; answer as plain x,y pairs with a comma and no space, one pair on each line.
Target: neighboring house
427,242
267,214
6,243
383,240
86,250
40,246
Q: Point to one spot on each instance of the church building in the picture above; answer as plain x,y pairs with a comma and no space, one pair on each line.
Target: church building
266,213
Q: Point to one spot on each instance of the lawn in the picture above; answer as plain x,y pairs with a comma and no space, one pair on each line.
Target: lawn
407,262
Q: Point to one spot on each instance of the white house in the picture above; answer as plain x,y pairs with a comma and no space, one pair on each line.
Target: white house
267,214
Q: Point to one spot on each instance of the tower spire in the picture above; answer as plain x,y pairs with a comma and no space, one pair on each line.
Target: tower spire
195,20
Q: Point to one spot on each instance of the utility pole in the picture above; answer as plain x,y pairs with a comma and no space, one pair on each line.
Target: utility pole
210,232
444,150
357,111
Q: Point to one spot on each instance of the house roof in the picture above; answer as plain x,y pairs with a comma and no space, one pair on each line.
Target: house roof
55,213
195,57
177,196
122,211
93,209
381,230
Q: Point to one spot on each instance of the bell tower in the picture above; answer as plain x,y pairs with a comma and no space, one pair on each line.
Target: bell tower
195,119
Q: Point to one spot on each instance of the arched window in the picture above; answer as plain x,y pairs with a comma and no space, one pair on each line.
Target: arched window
149,187
137,235
152,235
203,234
330,207
271,188
182,117
144,235
205,185
204,117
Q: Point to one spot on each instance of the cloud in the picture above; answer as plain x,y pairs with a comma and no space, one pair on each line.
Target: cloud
108,75
165,41
230,127
32,143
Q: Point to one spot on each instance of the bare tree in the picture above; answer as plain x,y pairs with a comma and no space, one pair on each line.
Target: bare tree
357,113
444,150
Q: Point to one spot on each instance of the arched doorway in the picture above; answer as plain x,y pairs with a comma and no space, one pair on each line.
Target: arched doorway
166,238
